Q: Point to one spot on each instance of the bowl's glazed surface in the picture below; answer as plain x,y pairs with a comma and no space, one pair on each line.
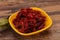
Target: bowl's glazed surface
48,22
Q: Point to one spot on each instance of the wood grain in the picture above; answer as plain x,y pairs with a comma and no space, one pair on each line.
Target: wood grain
52,7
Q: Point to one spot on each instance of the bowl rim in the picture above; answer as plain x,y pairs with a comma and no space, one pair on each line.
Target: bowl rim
27,34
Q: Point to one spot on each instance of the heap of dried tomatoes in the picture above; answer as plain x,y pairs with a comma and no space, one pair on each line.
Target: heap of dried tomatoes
29,20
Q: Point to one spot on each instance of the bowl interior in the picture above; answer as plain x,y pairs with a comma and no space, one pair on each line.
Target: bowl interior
48,22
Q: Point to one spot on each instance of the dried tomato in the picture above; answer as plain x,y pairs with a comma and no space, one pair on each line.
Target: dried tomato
29,20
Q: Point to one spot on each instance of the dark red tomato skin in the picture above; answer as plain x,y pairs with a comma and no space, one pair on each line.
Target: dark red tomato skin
29,20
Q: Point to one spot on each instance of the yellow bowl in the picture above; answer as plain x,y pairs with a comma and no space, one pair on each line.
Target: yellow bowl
48,22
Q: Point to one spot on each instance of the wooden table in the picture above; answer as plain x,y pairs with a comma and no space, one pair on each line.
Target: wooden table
52,7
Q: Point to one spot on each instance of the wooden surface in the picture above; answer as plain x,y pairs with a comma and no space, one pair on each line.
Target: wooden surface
52,7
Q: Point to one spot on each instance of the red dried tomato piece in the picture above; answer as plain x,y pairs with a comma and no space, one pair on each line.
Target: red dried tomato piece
29,20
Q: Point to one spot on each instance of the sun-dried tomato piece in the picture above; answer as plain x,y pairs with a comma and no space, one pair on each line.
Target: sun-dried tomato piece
29,20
